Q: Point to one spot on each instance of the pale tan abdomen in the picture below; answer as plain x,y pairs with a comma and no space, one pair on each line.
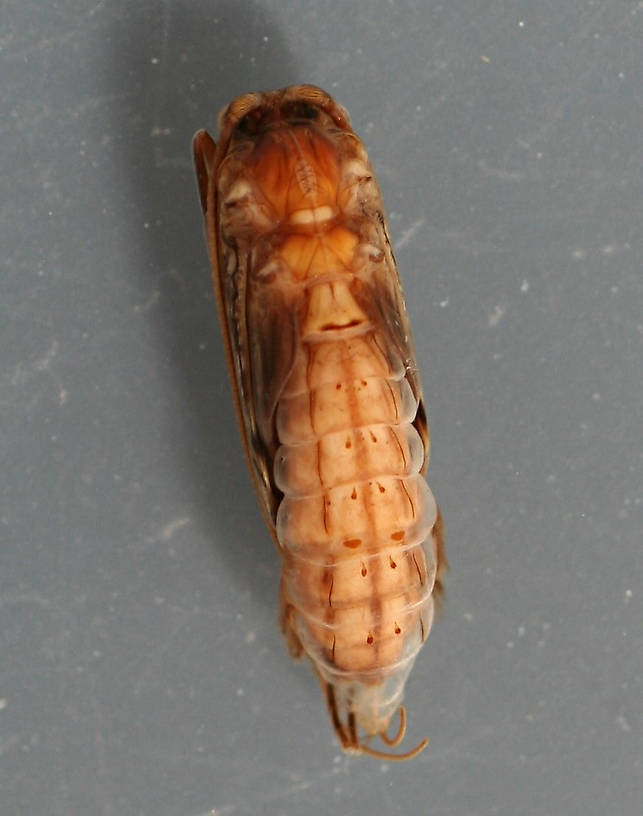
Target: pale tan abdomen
355,519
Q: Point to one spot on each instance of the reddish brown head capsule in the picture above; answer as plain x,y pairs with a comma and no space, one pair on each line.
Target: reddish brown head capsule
327,392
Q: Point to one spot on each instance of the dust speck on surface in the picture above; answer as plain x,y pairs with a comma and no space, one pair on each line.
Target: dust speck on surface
407,234
168,531
496,316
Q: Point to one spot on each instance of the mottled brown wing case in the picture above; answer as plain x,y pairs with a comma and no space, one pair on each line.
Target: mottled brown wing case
328,395
230,276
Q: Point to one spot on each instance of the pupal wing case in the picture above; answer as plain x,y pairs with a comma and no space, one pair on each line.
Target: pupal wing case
327,393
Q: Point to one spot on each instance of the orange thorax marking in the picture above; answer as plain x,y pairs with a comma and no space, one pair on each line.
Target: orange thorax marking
296,169
322,253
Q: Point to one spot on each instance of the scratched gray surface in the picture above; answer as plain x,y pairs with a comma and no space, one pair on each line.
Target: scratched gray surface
141,668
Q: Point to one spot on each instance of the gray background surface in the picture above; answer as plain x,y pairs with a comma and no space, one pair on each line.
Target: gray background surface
142,671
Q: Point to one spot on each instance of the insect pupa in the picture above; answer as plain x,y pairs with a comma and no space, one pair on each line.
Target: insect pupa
328,396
